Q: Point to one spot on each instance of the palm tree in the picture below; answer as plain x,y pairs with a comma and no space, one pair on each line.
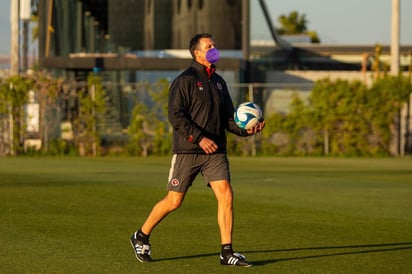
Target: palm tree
35,20
296,23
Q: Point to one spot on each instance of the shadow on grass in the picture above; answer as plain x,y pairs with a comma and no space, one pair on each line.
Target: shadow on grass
371,248
187,257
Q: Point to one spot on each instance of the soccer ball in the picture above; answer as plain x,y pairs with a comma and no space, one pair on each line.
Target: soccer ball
247,115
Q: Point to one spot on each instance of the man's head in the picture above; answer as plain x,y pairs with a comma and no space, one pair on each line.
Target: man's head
199,47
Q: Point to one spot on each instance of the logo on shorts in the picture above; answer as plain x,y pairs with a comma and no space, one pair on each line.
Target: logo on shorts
174,182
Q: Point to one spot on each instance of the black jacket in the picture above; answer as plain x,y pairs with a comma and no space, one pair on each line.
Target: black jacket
200,107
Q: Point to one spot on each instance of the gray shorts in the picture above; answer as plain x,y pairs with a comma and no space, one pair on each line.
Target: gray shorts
185,167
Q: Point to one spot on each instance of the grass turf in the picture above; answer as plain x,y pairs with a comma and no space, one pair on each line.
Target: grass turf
292,215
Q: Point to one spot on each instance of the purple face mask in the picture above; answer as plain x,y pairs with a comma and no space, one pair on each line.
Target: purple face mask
212,55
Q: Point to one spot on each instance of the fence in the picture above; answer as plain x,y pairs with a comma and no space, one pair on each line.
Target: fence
121,99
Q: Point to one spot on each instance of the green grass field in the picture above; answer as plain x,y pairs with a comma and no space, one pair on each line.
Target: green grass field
292,215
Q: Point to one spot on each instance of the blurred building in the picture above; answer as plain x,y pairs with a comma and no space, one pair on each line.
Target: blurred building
71,28
78,36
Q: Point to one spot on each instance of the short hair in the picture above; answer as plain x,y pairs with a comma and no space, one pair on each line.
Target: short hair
194,42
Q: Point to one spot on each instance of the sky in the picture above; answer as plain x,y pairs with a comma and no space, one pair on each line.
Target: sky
345,22
353,22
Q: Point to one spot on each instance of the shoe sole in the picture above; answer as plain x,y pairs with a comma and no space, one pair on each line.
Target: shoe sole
249,265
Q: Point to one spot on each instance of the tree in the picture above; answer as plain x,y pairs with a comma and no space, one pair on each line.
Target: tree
149,132
14,99
296,23
48,89
140,133
35,19
91,108
13,96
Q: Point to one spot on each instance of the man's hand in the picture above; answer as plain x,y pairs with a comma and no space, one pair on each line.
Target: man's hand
258,128
208,145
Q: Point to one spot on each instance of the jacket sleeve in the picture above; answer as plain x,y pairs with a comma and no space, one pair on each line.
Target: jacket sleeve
178,108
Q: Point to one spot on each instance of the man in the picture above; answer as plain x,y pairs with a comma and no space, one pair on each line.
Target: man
200,111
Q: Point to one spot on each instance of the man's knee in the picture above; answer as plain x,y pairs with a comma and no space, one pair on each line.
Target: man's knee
174,200
222,190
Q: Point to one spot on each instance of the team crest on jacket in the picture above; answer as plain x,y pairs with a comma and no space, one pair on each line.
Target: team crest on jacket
219,85
175,182
200,85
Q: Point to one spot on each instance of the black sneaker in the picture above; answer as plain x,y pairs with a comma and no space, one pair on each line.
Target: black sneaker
142,251
234,259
